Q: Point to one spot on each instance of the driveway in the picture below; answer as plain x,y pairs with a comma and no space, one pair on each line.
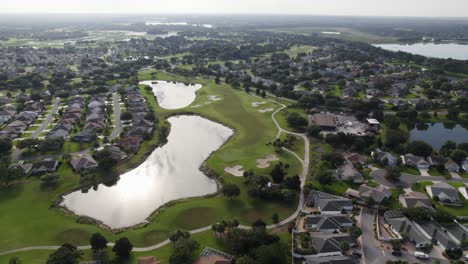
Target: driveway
117,122
48,120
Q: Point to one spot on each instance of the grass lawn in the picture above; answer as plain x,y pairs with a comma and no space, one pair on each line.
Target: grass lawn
453,210
435,172
281,117
30,220
70,146
294,51
410,170
205,239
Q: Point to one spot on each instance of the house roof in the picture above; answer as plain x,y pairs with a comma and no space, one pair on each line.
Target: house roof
331,260
444,190
213,256
347,171
324,120
83,162
328,243
326,222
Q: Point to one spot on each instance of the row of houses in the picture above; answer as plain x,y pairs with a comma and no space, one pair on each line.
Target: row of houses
22,121
7,112
140,125
424,234
95,121
422,163
67,122
327,228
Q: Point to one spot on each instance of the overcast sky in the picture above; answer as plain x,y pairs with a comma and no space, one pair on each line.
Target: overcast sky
430,8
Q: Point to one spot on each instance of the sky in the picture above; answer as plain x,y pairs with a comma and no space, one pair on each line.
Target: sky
420,8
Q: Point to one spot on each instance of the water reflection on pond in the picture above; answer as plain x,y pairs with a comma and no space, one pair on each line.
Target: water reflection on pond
173,95
437,134
169,173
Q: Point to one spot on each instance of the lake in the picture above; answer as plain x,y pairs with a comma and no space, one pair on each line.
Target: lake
442,51
157,23
436,135
172,95
170,173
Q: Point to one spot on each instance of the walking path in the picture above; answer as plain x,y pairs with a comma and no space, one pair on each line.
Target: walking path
303,176
117,123
48,120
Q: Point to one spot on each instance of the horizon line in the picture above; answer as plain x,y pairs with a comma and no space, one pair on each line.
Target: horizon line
227,13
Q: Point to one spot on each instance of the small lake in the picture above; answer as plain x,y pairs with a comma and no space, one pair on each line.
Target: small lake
170,173
172,95
157,23
442,51
436,135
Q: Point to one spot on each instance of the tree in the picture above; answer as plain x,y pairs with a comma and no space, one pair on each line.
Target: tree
296,120
293,183
454,253
263,94
217,80
324,177
259,224
277,174
245,260
101,256
14,260
66,254
271,254
126,116
275,218
369,201
98,241
27,143
344,246
458,155
393,174
122,247
396,244
183,251
355,232
313,131
49,181
447,148
419,148
104,159
230,190
178,234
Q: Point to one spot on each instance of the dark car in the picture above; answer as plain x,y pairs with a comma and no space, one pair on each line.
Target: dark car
357,254
397,253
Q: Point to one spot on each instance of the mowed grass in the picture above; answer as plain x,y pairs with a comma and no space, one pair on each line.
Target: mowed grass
31,222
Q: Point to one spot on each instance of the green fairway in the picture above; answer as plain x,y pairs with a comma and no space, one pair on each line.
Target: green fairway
31,222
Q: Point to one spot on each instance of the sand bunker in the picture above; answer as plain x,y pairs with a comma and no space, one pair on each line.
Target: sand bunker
214,98
255,104
265,163
196,106
236,170
266,110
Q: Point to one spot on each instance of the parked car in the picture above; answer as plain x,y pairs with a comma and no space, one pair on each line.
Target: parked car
357,254
397,253
420,255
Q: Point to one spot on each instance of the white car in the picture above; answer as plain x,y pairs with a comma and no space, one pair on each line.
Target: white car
420,255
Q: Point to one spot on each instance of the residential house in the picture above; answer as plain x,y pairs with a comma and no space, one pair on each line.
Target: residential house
439,235
445,193
400,224
347,172
116,153
329,204
378,194
372,122
331,260
85,136
435,160
451,165
83,162
355,158
330,244
44,166
384,157
327,223
213,256
465,165
130,143
415,200
415,162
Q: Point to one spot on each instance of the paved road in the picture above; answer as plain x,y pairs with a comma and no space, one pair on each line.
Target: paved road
303,176
48,120
371,252
117,122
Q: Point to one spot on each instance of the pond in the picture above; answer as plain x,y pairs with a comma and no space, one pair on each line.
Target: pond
173,95
442,51
437,134
170,173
